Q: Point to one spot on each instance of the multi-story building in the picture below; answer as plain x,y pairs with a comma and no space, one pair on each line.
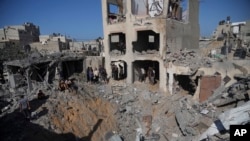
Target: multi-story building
138,34
20,35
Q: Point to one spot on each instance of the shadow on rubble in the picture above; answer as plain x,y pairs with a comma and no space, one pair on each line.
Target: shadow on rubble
91,133
36,103
14,126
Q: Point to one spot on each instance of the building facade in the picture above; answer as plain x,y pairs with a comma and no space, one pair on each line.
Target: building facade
138,34
51,43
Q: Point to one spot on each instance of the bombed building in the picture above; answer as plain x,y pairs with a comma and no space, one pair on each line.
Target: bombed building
156,80
138,34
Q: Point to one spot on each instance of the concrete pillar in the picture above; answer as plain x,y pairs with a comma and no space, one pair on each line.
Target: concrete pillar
129,72
129,47
170,71
163,76
170,81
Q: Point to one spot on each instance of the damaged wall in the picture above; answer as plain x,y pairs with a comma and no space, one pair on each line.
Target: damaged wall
227,68
184,34
207,86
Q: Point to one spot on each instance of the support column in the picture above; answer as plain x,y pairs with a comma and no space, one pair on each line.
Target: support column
129,58
129,72
171,78
163,76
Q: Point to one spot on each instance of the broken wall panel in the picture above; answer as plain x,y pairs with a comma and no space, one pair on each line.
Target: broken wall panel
208,85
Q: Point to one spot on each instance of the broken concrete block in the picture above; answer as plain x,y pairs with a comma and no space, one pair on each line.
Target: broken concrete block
235,116
110,136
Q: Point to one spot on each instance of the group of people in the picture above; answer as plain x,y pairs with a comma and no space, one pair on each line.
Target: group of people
117,73
96,75
66,85
150,74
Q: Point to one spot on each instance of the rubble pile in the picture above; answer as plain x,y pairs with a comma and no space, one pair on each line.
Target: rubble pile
187,58
61,113
149,51
121,111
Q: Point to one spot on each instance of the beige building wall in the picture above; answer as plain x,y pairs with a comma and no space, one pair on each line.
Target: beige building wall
50,47
25,34
172,33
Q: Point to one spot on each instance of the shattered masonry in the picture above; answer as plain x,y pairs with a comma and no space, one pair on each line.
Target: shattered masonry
197,91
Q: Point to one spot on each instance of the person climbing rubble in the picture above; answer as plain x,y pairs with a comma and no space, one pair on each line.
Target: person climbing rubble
142,75
96,75
40,95
103,74
62,85
24,107
68,85
151,75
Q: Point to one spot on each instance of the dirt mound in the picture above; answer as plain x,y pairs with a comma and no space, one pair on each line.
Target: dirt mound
62,116
89,119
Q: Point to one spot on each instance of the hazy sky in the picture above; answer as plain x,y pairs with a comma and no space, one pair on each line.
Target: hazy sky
82,19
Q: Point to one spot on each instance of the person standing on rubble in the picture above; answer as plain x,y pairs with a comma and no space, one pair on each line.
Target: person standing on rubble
151,75
91,75
25,107
143,74
96,75
87,74
40,95
113,71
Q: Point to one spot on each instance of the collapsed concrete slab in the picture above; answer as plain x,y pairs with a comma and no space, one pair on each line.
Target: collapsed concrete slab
43,68
234,116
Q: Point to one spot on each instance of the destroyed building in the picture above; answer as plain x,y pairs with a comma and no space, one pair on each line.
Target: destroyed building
138,34
19,35
40,68
203,93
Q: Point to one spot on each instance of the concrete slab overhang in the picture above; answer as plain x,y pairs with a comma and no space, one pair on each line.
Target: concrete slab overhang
25,63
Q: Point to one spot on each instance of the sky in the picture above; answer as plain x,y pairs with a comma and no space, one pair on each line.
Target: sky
82,19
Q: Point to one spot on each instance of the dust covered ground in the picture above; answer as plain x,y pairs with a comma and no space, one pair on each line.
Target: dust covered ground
115,111
95,112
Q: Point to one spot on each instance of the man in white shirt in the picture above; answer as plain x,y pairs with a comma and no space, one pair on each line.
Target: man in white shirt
24,107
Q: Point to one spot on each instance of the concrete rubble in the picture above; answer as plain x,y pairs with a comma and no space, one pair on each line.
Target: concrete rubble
188,58
119,111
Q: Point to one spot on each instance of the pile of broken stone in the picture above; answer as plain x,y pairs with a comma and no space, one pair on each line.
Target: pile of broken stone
188,58
153,115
